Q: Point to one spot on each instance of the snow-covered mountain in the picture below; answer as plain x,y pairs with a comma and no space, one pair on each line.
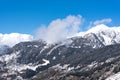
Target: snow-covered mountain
106,35
90,55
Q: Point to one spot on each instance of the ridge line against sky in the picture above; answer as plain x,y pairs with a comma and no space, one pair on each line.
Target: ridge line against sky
58,30
25,16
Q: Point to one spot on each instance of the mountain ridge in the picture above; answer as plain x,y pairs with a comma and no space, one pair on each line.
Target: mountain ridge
84,57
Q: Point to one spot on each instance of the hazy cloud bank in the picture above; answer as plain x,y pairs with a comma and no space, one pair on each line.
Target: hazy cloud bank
60,29
14,38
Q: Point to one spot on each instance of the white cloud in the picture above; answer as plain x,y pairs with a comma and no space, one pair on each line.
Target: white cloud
98,22
14,38
60,29
103,21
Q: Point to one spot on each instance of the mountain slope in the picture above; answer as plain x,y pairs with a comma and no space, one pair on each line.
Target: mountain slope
97,64
106,35
94,55
27,60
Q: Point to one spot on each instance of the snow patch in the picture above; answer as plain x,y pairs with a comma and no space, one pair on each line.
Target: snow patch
36,46
114,77
75,47
93,64
54,58
55,47
9,57
110,59
64,68
46,62
20,67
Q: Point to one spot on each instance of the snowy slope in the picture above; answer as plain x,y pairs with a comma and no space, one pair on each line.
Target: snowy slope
114,77
106,35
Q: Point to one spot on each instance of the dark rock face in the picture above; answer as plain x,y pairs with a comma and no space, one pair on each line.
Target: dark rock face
27,73
28,51
74,59
102,65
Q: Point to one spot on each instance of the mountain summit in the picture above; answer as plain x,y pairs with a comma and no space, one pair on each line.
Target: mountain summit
107,35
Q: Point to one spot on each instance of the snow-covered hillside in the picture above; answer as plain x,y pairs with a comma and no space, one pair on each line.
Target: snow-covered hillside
114,77
107,35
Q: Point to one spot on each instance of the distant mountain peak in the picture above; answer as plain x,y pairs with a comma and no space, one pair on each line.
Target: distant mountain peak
98,28
106,35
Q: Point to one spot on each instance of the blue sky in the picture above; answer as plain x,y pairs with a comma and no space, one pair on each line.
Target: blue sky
25,16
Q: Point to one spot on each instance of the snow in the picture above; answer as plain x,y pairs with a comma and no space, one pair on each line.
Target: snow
29,45
8,57
54,58
36,46
65,42
19,78
79,34
75,46
20,67
78,66
95,29
98,28
93,64
14,38
70,68
94,46
58,66
114,77
107,35
64,68
110,59
46,62
107,40
45,47
59,53
4,74
42,50
55,47
12,65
